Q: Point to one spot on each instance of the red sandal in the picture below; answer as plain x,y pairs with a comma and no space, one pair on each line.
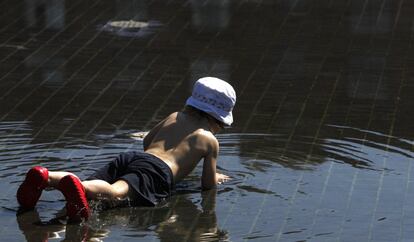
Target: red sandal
30,190
77,207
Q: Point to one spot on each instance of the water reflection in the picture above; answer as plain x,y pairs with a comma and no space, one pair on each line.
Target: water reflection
210,15
302,152
34,229
178,220
255,151
209,66
49,13
131,28
255,161
131,20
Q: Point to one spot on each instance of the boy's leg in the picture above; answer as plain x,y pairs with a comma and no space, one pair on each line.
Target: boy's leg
56,176
95,189
100,189
105,183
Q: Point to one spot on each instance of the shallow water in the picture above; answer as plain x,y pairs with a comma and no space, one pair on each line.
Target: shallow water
322,144
267,177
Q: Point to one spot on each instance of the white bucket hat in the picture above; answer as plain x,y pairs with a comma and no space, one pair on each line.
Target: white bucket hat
215,97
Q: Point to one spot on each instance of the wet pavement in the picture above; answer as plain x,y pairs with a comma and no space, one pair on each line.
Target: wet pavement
323,140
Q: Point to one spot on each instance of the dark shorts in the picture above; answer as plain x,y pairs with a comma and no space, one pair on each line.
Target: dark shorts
149,177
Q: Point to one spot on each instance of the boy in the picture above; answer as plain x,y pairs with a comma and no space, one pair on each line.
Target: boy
172,150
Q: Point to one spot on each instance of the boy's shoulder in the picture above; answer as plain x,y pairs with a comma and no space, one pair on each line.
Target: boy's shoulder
201,129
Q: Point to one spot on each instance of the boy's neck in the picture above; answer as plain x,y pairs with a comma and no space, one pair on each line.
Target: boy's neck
213,125
211,122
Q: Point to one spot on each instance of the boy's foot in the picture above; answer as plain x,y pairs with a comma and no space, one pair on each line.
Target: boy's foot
76,204
30,190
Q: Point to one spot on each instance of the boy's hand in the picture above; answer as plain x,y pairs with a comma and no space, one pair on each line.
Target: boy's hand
221,178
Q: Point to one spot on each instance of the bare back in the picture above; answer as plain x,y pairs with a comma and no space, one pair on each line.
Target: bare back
182,140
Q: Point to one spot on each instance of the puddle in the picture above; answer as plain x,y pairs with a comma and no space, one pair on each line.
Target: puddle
262,167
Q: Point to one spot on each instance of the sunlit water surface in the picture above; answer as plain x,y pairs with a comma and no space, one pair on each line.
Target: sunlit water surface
270,174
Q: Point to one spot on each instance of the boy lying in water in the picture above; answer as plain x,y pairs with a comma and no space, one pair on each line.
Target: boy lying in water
172,149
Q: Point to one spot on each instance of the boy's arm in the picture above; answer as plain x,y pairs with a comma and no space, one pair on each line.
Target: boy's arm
209,176
208,179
